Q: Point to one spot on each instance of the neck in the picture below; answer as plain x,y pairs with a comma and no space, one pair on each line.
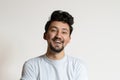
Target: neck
55,56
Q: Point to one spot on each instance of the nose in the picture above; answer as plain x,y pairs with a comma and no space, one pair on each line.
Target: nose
58,34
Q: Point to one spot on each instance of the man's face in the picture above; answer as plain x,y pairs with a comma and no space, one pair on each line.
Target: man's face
57,36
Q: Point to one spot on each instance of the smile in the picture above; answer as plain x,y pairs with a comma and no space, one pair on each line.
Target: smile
58,42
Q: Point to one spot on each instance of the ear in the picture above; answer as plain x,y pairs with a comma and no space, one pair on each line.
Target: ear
44,36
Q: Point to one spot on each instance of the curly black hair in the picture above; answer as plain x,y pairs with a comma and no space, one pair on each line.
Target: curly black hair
63,16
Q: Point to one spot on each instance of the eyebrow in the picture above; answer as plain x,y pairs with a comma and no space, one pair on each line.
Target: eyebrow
65,29
62,28
53,27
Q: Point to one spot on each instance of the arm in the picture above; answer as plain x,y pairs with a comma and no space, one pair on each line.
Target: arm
28,72
81,72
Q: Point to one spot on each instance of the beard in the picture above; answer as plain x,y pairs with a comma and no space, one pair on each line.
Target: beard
57,48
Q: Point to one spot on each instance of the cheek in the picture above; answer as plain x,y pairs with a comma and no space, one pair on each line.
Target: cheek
50,36
67,40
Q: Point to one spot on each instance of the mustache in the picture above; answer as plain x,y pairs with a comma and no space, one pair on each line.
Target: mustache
57,38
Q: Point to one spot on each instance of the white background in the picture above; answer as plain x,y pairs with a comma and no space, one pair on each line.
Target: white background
95,39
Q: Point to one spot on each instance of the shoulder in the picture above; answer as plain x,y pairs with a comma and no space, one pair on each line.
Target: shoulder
34,61
74,59
77,62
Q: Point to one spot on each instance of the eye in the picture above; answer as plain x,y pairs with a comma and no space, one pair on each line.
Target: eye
53,30
64,32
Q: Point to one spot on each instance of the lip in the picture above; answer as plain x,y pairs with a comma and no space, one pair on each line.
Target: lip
57,41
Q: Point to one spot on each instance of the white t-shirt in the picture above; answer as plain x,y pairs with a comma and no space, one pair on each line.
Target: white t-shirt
43,68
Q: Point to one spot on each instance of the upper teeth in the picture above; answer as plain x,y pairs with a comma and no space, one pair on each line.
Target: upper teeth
57,41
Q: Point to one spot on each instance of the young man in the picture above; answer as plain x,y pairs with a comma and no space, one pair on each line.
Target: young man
55,64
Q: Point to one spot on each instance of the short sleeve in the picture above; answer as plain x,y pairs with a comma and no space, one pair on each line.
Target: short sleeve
81,72
28,72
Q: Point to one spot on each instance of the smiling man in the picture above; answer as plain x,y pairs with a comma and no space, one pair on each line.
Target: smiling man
55,64
57,36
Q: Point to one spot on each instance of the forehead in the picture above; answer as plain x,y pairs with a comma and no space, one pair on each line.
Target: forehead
59,25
